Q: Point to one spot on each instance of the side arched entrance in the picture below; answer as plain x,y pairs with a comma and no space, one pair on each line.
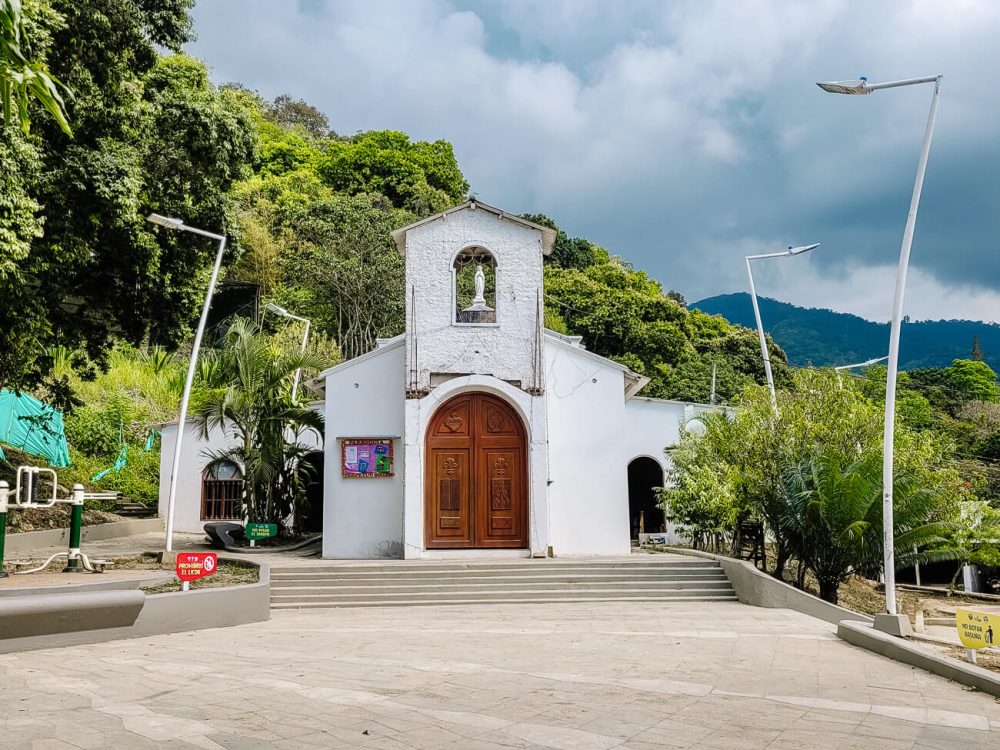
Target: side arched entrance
476,488
645,477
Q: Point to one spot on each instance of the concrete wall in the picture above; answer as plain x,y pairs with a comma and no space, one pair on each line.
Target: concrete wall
588,478
159,613
504,349
757,588
364,398
30,541
195,456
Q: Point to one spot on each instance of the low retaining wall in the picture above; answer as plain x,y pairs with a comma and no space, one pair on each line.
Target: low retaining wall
117,584
34,540
755,587
48,614
867,637
157,614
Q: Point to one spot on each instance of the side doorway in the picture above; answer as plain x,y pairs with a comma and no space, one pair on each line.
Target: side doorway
311,468
645,477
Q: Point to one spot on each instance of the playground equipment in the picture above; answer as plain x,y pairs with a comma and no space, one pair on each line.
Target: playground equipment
27,494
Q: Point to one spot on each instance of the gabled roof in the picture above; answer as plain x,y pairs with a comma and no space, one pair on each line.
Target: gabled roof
634,382
548,235
385,345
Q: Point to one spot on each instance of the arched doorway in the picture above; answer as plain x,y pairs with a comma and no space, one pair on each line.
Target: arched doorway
311,467
646,516
476,487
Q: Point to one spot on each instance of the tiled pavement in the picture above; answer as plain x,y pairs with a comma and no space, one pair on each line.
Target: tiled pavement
581,676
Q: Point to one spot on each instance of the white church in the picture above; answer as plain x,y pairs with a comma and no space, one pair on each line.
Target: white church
477,432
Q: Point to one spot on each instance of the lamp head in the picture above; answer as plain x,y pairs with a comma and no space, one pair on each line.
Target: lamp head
853,88
165,221
276,309
802,249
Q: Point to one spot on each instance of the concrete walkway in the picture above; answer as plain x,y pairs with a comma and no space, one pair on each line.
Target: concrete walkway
582,676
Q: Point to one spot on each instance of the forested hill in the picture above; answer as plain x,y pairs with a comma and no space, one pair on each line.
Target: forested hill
825,337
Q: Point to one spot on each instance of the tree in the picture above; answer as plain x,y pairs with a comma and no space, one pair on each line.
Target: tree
296,113
23,76
575,252
245,390
421,177
820,423
831,514
623,314
977,350
350,275
150,133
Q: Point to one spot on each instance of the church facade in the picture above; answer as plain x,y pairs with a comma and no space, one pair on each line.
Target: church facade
478,432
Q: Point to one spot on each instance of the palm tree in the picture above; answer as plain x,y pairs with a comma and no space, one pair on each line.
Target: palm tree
246,391
832,515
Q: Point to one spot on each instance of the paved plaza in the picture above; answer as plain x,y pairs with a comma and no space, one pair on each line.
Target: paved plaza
573,676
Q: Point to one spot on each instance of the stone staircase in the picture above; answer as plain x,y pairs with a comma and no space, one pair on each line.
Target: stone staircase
397,583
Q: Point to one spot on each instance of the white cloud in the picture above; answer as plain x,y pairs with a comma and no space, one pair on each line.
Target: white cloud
667,132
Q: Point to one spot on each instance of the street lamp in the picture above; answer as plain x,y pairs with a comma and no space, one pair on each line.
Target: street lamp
866,363
756,310
178,225
277,310
861,86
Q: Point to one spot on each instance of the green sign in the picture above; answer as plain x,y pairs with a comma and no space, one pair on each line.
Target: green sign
261,530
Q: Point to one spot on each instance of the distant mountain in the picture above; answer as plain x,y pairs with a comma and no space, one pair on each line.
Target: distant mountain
824,337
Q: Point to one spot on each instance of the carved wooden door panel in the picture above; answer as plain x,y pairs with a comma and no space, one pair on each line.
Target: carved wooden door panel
448,488
476,494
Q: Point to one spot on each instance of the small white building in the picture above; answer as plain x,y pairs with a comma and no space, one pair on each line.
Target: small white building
476,432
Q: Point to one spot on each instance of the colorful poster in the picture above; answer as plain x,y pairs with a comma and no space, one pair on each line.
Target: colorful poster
366,458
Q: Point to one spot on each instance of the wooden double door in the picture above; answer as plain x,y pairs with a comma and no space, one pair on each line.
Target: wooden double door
476,488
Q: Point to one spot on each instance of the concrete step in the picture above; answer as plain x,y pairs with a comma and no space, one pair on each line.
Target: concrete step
381,581
336,578
721,597
490,593
398,583
487,567
721,583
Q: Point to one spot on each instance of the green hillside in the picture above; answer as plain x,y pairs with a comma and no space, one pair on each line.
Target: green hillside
825,337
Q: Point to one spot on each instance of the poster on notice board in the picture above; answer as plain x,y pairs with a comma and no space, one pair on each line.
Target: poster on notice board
365,458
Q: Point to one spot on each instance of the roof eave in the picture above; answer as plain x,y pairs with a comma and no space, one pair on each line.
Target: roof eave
548,234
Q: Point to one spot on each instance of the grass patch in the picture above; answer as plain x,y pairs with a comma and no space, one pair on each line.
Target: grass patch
228,573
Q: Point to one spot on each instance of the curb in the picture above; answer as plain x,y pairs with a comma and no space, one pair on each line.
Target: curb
901,650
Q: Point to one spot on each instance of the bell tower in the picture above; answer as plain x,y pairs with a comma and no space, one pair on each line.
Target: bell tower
473,297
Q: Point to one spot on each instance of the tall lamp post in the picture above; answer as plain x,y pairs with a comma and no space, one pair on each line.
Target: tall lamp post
305,338
180,226
756,311
894,622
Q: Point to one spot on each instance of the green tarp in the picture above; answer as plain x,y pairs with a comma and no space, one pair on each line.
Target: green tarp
35,428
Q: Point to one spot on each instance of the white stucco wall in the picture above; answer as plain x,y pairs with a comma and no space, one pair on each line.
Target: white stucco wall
419,412
363,518
195,456
651,426
588,490
438,345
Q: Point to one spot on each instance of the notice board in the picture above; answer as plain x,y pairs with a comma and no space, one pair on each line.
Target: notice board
366,458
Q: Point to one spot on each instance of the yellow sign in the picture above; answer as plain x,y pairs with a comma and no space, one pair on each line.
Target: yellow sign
977,629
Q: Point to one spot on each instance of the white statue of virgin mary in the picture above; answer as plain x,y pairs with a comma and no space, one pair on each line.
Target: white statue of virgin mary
479,301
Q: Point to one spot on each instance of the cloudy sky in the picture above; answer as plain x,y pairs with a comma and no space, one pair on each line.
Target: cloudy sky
679,134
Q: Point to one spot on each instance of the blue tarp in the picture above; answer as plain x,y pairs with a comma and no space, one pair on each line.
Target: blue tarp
34,427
